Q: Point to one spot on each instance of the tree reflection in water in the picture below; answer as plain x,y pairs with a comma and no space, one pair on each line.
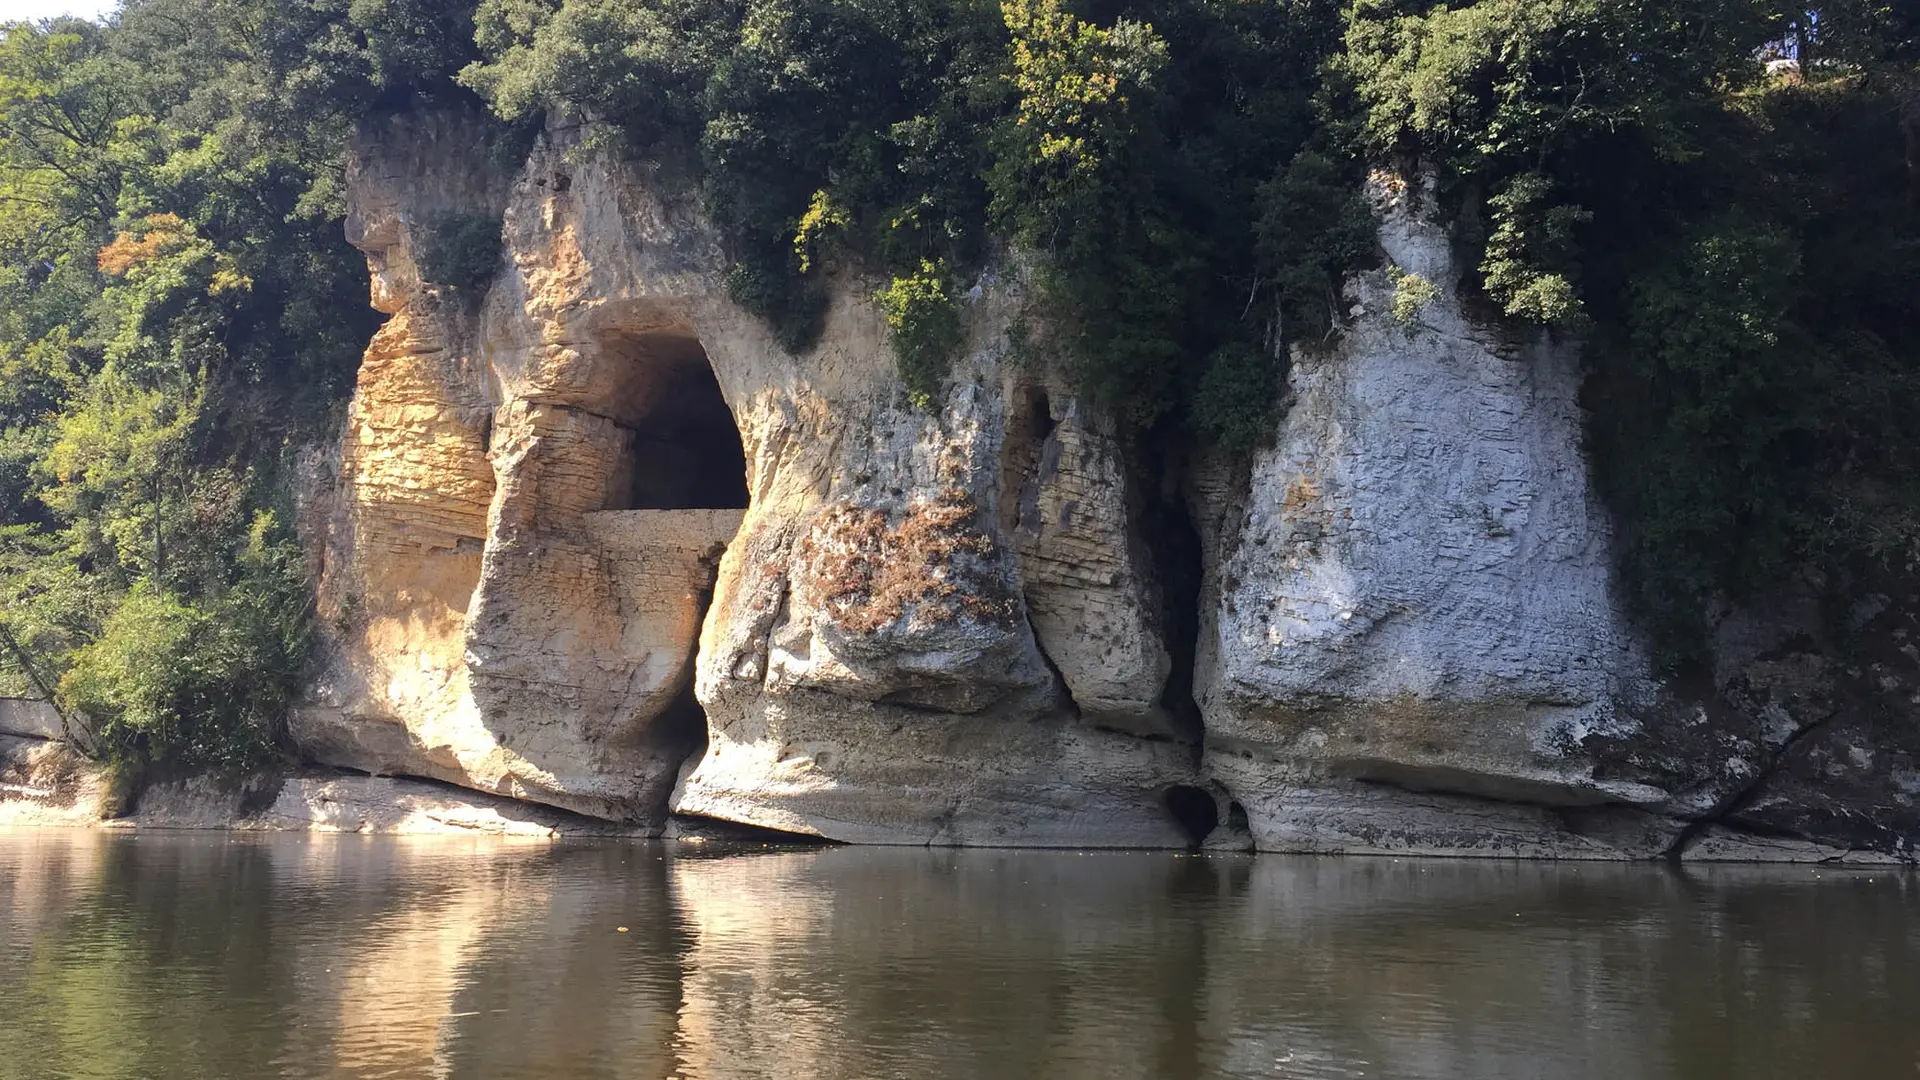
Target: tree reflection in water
207,957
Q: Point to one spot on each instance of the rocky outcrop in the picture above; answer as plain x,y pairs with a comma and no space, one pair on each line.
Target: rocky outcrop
1412,625
923,628
1413,642
45,783
1091,599
870,671
28,719
593,539
1801,744
490,626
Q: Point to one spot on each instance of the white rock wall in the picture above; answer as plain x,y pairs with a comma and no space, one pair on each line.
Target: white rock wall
1416,595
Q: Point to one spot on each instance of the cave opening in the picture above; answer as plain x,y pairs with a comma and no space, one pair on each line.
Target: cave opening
676,484
1038,422
685,451
1195,810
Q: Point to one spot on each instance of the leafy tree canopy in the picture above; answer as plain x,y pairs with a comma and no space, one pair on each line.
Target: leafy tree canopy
176,306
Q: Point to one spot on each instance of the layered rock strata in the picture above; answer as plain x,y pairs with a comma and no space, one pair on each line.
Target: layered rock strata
488,627
1413,641
1413,624
909,604
46,783
593,539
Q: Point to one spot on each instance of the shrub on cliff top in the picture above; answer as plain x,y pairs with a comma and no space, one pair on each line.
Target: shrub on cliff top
925,325
460,250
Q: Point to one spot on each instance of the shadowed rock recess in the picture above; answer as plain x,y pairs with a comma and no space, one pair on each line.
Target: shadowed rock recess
592,539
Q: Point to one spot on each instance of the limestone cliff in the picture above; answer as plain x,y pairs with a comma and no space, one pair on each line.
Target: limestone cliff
592,538
1413,640
520,537
492,623
1413,625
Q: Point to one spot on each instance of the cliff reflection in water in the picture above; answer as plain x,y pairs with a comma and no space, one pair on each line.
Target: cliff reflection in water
205,957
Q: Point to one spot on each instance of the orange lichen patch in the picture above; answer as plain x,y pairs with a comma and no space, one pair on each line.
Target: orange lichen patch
1388,182
1302,495
869,570
158,234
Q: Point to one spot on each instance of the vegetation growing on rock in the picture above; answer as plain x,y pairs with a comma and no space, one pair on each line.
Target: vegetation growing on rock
178,309
933,565
176,306
461,250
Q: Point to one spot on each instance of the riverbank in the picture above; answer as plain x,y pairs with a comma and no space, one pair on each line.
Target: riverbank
44,782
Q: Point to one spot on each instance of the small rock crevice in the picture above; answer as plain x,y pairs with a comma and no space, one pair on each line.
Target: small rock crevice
1165,527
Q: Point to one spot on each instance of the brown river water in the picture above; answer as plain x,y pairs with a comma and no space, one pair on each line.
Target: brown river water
215,956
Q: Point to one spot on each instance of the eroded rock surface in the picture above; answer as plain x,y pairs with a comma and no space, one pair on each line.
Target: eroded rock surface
45,783
1091,597
593,539
1413,642
1415,628
898,649
488,625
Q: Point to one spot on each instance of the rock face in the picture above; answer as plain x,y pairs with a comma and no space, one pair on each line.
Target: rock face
1415,602
871,670
28,719
1412,641
522,529
45,783
492,625
593,539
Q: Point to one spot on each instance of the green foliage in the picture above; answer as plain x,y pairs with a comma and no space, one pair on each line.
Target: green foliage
645,65
1237,402
1313,227
461,251
925,326
1737,250
124,678
176,304
1411,294
1705,335
1083,96
1530,254
177,308
869,114
206,684
1139,151
1072,177
1759,379
817,227
1128,144
1497,94
795,308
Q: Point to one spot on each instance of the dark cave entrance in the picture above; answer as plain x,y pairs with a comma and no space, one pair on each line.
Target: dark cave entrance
685,452
1195,810
1029,422
682,454
1157,492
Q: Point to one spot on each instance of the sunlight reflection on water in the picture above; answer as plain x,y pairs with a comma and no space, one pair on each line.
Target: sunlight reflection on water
207,957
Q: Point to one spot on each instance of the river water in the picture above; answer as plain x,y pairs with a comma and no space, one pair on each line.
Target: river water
215,956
